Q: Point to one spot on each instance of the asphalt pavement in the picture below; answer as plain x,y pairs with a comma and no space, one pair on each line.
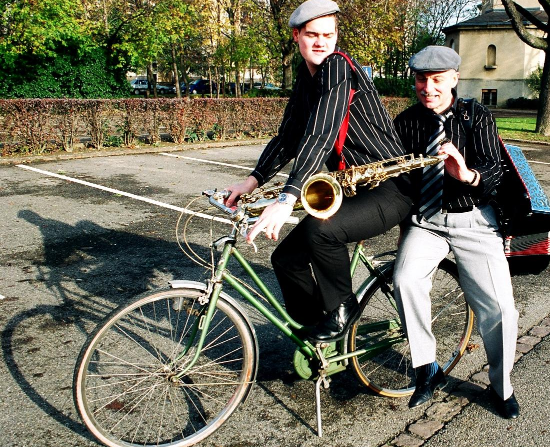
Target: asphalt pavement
479,425
81,236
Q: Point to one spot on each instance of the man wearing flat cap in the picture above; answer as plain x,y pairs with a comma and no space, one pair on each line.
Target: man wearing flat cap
312,263
452,213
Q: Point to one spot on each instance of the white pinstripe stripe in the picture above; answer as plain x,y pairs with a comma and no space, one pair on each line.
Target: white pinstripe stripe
371,138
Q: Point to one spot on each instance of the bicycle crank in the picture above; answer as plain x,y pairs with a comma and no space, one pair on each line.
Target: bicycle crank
308,368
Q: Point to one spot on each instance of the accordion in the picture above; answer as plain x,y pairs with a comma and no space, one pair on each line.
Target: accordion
524,214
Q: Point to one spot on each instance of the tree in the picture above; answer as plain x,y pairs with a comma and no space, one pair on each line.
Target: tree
47,49
536,38
367,29
274,15
434,15
179,22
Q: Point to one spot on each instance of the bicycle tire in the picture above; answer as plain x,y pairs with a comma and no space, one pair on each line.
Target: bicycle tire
389,372
125,388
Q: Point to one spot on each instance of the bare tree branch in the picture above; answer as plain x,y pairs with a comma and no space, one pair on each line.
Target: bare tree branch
521,30
532,18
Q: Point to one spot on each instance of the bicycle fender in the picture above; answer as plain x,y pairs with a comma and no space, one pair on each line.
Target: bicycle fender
372,280
184,283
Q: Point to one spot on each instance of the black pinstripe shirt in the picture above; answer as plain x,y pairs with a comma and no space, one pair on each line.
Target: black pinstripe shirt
480,148
313,117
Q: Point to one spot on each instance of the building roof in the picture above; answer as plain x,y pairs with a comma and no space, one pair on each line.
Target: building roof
493,19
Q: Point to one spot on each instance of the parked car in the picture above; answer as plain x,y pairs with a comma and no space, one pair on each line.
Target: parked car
140,86
269,86
258,86
163,89
202,87
245,87
230,88
183,88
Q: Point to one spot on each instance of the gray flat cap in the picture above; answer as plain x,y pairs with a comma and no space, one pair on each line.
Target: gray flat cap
435,58
312,9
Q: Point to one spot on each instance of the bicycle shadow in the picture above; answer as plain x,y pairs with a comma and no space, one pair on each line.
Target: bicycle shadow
86,270
89,270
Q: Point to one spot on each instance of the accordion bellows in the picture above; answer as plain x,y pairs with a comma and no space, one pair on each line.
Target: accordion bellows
530,233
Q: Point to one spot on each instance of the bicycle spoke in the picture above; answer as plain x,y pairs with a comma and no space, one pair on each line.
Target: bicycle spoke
388,370
122,396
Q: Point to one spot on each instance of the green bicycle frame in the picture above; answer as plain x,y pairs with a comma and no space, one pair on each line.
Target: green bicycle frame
280,318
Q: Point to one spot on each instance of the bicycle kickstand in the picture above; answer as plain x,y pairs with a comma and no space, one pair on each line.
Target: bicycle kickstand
322,380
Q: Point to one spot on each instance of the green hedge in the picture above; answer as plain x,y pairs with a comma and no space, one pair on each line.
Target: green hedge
47,125
390,86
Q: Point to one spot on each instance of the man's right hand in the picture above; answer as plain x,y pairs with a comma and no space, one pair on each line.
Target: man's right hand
246,187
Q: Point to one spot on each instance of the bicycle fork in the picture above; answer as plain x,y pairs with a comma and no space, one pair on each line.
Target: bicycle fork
208,301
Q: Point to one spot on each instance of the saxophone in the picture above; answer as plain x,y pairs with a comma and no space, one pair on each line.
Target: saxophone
322,193
256,202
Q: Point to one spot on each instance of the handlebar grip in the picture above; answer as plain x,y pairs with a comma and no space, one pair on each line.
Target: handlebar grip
215,199
221,206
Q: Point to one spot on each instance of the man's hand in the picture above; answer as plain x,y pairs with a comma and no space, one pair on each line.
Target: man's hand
246,187
271,220
455,165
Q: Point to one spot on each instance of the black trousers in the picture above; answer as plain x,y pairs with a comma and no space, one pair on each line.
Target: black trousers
312,263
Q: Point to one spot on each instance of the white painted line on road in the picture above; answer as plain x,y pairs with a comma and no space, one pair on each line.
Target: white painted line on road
123,193
539,162
248,168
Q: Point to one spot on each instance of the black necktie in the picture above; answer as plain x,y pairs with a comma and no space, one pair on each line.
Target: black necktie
431,191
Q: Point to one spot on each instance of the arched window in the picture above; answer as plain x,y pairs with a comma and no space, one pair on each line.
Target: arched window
491,57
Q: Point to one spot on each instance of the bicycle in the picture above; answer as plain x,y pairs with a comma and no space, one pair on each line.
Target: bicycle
173,365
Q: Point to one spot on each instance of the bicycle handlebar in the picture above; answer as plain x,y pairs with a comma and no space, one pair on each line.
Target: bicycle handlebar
216,198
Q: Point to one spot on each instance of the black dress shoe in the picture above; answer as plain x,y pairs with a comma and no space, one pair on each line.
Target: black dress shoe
426,385
336,323
508,408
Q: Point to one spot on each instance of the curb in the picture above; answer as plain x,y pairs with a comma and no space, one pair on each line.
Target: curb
439,413
542,143
6,161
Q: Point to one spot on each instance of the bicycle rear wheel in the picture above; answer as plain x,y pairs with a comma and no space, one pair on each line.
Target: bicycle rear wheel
387,368
126,387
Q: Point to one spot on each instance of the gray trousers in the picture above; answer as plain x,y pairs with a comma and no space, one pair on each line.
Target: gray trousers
484,276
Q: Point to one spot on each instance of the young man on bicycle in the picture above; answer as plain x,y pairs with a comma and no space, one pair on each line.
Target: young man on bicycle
312,263
452,213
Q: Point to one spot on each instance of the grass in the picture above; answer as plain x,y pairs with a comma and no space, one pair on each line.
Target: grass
519,129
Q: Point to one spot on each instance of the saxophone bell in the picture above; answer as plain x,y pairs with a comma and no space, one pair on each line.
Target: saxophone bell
321,195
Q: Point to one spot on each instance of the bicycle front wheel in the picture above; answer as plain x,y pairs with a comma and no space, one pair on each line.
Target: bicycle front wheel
386,367
128,384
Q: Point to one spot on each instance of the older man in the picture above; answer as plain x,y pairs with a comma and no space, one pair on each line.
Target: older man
312,263
452,213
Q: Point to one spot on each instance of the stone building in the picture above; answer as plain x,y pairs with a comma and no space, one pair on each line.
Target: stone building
495,62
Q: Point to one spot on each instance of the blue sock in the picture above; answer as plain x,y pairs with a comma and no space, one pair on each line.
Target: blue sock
431,369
